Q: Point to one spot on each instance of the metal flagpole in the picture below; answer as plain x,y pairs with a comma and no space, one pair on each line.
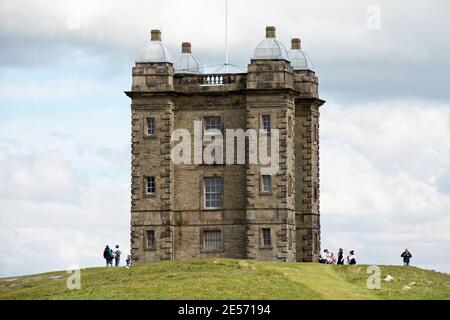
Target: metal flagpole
226,36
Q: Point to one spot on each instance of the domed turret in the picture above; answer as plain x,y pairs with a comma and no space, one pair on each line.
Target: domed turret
186,62
154,51
298,58
270,48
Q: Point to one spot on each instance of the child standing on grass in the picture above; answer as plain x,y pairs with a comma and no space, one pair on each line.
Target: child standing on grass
128,261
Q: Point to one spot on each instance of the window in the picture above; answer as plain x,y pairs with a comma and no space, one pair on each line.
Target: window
290,126
316,191
266,237
213,192
150,187
211,239
315,242
266,123
290,184
315,133
212,123
266,183
151,241
290,239
150,126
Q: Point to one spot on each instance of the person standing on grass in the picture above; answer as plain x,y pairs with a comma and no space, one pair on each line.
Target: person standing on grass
340,259
406,255
107,254
351,258
117,254
129,261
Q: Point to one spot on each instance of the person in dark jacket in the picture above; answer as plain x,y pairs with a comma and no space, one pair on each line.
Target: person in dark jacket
108,255
406,255
340,259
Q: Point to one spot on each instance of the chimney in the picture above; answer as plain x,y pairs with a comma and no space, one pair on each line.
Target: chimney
155,35
270,32
296,43
186,47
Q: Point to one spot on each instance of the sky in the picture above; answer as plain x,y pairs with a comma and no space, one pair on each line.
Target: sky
383,68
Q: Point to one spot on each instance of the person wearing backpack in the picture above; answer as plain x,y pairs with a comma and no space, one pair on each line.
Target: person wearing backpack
117,254
107,254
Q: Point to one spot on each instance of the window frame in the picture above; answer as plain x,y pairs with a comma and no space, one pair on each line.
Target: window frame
219,239
146,186
264,245
263,190
263,116
206,131
205,200
147,126
146,240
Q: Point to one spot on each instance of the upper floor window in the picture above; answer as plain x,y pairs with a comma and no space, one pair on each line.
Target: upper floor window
150,187
150,125
213,192
265,121
266,183
212,124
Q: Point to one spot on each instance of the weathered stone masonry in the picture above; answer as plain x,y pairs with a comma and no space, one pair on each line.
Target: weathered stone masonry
175,213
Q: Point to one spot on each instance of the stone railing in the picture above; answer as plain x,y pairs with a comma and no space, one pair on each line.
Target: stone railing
213,79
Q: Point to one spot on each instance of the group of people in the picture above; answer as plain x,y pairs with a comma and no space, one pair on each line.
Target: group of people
111,256
329,257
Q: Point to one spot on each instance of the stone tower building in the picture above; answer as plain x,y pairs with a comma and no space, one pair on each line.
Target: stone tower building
198,210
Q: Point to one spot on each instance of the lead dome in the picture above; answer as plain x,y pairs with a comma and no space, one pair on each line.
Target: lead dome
298,58
270,47
154,51
187,62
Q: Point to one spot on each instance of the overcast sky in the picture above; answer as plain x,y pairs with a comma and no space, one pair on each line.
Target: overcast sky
65,122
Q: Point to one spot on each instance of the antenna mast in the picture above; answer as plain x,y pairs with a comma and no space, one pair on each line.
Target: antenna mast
226,36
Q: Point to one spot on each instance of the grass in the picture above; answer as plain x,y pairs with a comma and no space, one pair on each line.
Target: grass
230,279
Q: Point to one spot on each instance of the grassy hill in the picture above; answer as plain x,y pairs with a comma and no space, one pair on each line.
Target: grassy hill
230,279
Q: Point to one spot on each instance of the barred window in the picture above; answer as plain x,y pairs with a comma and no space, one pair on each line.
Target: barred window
315,133
266,123
266,183
316,191
211,239
150,126
212,123
290,126
151,241
266,237
213,192
151,185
